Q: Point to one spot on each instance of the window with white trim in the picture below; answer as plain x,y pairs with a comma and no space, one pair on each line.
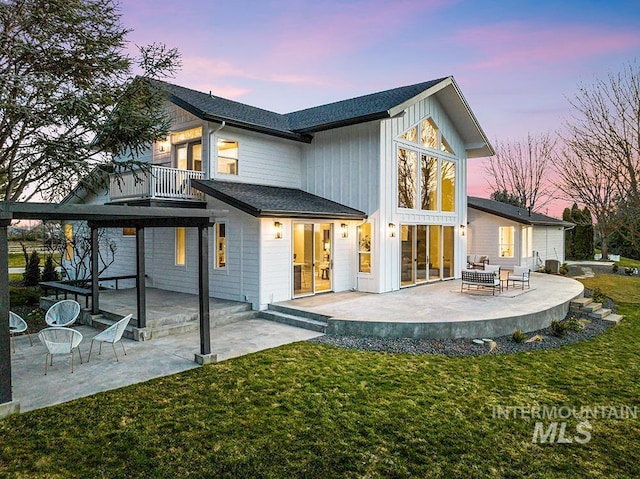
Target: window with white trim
221,245
506,240
181,246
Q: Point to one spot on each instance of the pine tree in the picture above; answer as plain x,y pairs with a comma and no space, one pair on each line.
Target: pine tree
31,276
49,273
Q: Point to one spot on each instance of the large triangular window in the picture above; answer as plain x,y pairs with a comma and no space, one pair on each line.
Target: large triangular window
428,135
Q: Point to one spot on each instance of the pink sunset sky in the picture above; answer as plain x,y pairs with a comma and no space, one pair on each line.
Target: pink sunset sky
517,63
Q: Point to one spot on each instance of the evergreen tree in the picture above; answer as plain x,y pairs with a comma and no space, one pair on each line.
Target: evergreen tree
49,273
505,197
31,276
569,236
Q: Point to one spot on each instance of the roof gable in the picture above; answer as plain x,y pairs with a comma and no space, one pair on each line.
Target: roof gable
299,125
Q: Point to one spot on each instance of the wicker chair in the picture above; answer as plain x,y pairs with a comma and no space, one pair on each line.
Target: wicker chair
63,313
17,325
60,341
112,335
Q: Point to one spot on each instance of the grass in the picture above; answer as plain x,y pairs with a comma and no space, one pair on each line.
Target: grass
16,260
307,410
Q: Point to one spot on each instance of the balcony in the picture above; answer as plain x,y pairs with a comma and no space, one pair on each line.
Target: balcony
158,183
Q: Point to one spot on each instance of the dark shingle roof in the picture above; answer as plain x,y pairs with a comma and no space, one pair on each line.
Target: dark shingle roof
273,201
215,108
355,110
298,124
515,213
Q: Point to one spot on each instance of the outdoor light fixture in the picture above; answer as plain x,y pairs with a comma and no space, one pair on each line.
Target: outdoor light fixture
392,230
163,145
463,228
344,230
278,227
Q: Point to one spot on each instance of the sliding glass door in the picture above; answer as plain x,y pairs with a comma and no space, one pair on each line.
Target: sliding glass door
312,258
426,253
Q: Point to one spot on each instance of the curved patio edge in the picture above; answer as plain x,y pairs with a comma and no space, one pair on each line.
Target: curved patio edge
482,328
440,310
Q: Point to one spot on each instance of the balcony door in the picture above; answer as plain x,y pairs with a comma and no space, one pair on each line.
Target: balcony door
189,156
312,258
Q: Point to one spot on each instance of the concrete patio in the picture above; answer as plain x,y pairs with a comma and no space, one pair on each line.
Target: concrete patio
144,360
440,310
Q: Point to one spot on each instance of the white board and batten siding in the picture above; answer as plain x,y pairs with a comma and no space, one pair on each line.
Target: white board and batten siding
390,130
343,165
276,258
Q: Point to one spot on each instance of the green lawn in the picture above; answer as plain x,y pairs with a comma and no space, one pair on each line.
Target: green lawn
308,411
16,260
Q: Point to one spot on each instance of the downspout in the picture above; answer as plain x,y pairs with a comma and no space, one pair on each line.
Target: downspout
211,135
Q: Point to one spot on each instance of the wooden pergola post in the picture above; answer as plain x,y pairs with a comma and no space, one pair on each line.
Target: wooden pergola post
141,283
95,285
6,395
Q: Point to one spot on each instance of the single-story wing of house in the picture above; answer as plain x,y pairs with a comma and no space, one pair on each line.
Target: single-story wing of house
513,236
365,194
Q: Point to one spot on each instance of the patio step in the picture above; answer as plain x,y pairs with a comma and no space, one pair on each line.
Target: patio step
578,303
222,313
600,313
591,308
299,312
297,319
613,318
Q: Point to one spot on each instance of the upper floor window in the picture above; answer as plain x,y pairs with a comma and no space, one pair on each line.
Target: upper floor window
448,185
429,136
187,145
425,181
227,157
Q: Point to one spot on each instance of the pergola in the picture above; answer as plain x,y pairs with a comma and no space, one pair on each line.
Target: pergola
104,216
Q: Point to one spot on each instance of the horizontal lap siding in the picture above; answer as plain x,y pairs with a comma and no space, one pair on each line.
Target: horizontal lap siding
485,236
263,160
548,241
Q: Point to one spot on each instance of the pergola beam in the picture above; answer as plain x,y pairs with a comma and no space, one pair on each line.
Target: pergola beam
103,216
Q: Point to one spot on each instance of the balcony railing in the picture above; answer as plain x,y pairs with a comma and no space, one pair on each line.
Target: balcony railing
159,182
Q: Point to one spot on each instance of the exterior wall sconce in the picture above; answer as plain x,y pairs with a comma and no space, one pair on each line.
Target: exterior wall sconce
344,230
164,145
463,228
392,230
278,229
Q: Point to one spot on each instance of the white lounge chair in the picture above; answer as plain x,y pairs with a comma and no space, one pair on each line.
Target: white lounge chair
63,313
60,341
112,335
520,275
17,325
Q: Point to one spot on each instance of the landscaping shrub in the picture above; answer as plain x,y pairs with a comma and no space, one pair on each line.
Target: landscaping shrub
615,268
31,275
518,336
573,324
598,296
24,296
49,273
559,328
564,269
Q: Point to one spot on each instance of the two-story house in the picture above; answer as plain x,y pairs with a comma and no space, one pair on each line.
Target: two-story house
364,194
